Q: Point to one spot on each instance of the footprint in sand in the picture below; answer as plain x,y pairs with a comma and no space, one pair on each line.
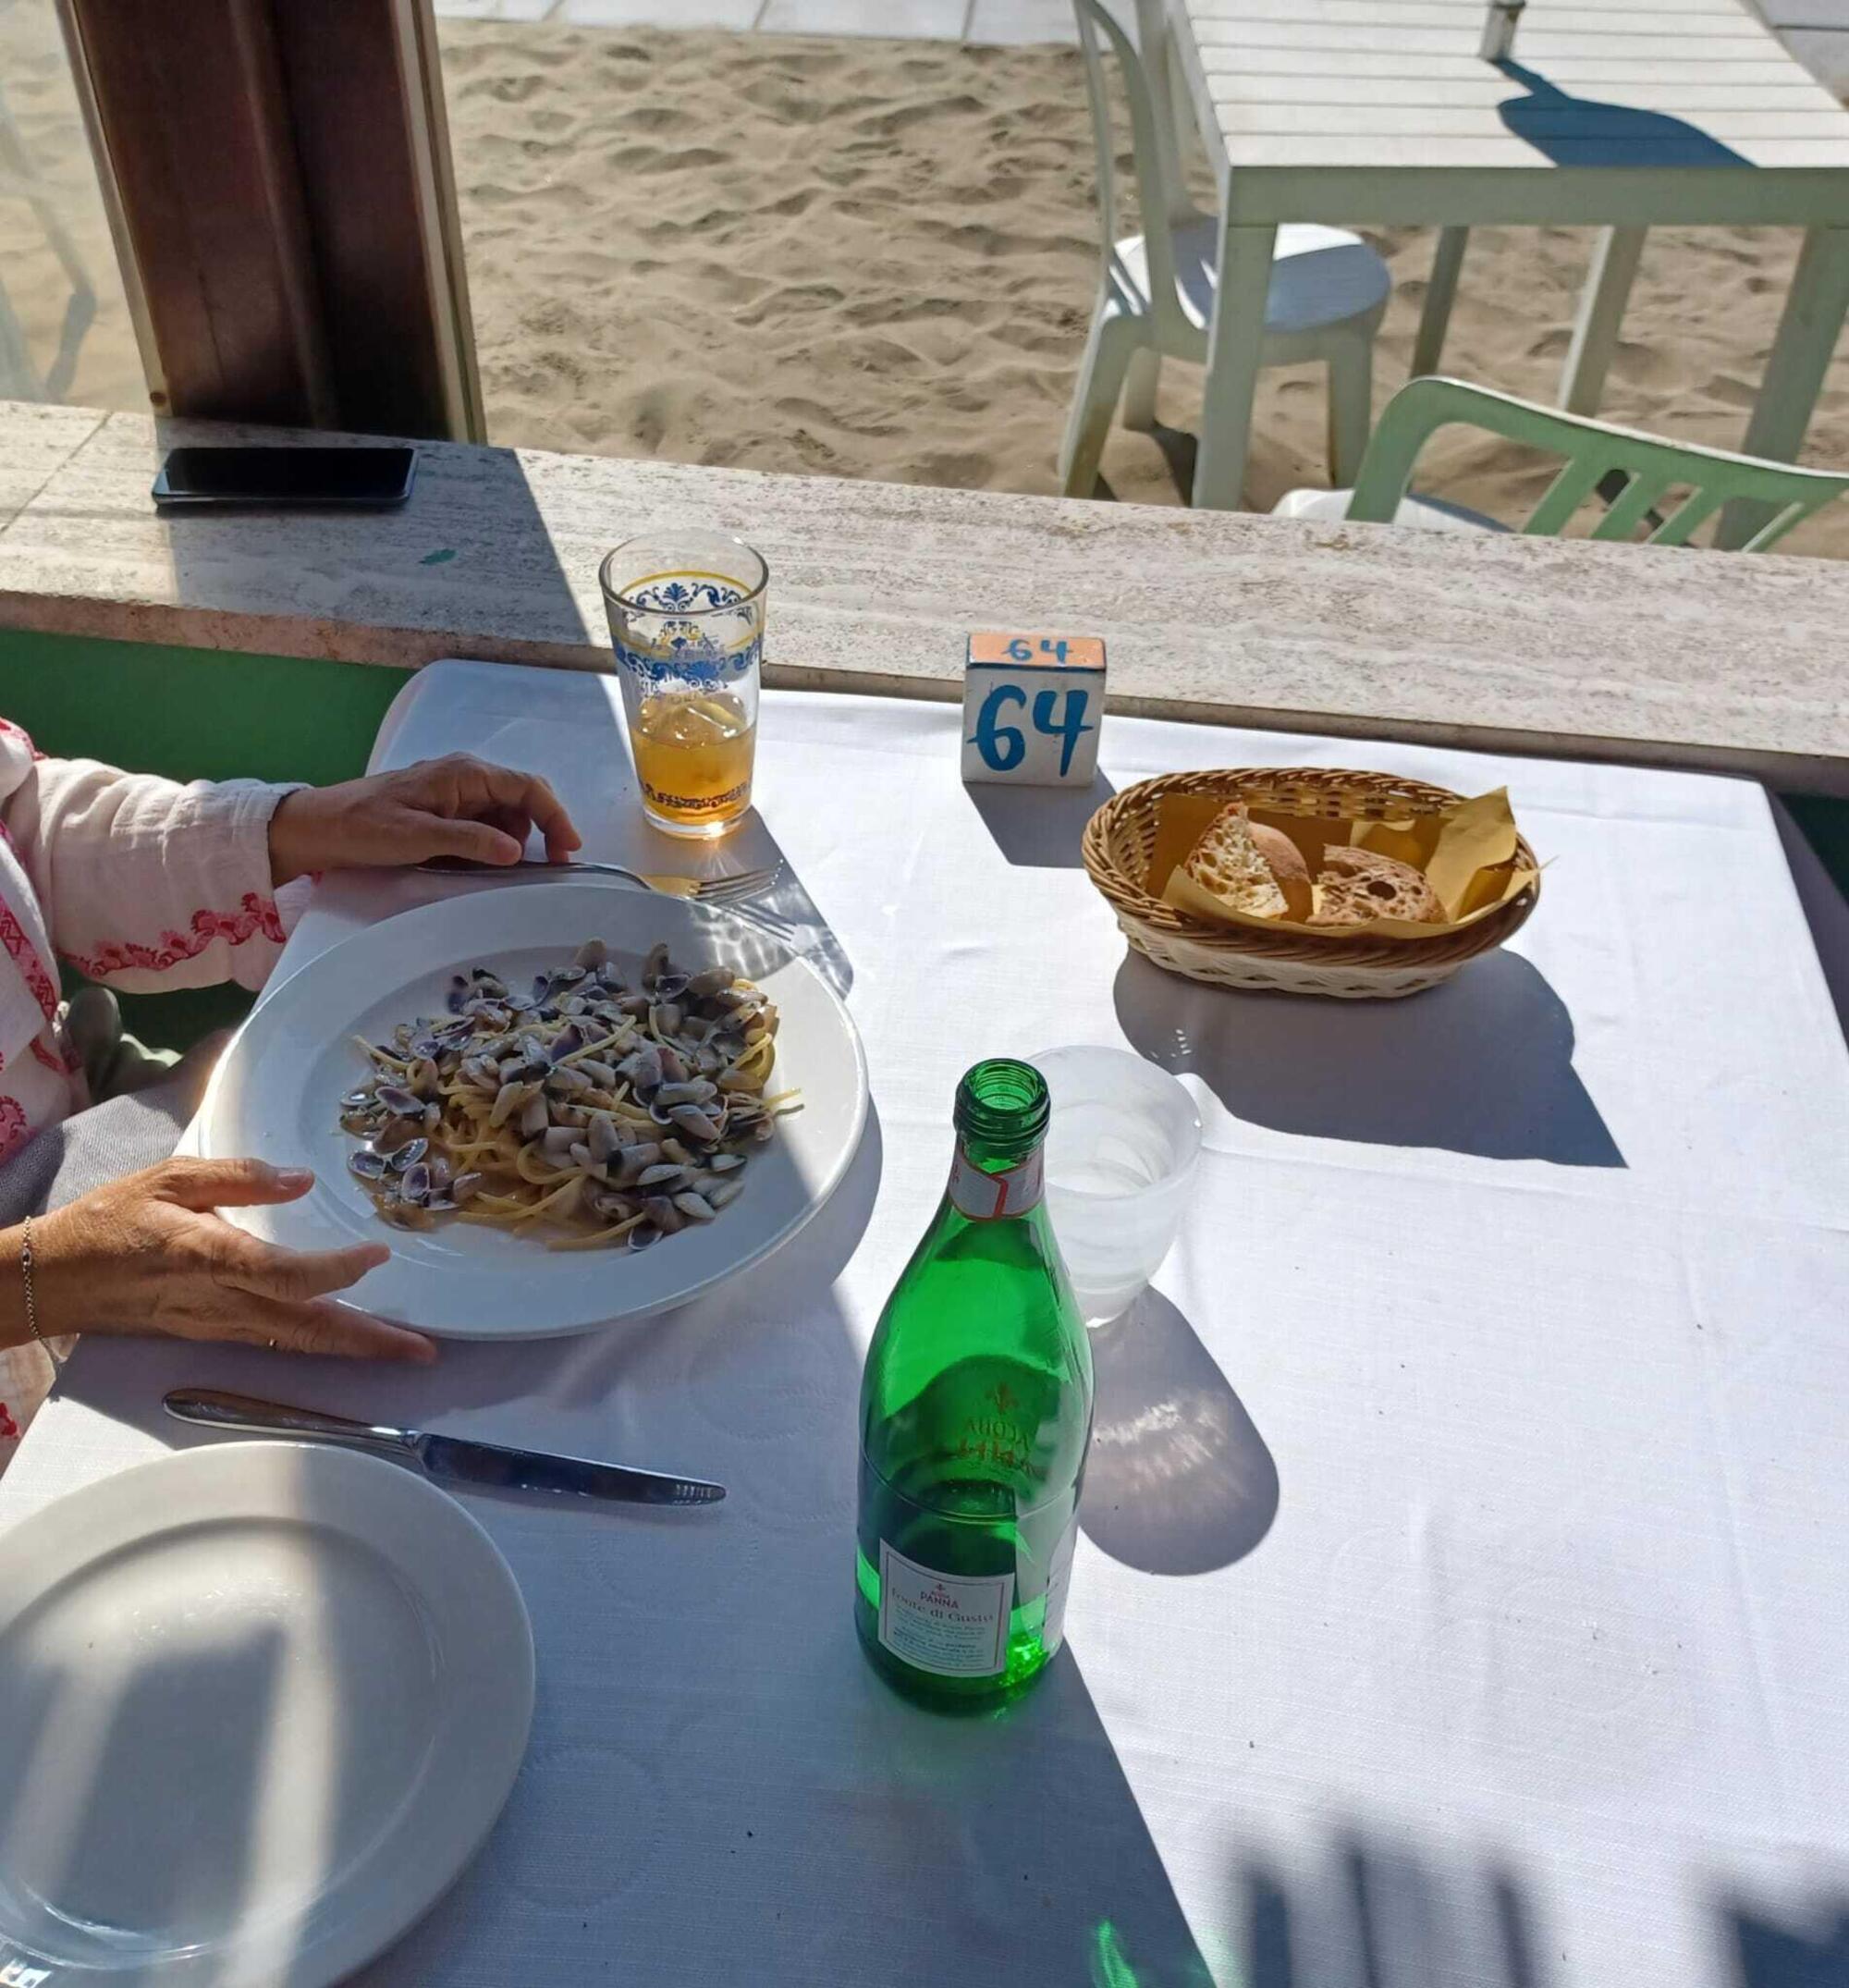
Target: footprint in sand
1730,391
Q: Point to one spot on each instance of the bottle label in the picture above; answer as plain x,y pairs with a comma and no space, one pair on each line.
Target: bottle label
993,1196
951,1626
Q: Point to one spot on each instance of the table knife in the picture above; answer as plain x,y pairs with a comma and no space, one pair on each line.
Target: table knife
453,1458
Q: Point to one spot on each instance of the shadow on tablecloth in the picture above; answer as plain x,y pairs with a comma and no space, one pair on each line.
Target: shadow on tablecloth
1481,1065
1373,1912
1039,827
1808,1948
1178,1480
1824,908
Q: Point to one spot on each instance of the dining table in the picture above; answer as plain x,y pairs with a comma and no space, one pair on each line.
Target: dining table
1384,113
1458,1594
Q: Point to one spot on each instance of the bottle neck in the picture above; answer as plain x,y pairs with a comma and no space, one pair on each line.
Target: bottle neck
994,1182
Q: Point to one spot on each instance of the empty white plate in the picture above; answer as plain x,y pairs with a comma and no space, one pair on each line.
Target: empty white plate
276,1096
259,1704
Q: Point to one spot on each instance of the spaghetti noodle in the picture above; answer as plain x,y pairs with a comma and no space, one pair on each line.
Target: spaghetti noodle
595,1109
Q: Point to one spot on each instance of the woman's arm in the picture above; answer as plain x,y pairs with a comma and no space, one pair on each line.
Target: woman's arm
145,884
148,885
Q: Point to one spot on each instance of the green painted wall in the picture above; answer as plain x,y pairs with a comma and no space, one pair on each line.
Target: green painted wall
192,714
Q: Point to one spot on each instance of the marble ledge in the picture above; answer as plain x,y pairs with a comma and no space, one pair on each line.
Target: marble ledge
1505,644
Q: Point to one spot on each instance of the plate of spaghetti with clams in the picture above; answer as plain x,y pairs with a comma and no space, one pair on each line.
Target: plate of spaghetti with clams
561,1104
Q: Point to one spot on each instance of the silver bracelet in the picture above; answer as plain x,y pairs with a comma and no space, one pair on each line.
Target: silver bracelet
31,1301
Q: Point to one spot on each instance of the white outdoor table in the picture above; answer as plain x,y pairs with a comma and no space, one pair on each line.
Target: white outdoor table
1459,1599
1626,117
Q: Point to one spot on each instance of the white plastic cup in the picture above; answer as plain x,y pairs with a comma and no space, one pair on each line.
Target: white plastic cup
1120,1155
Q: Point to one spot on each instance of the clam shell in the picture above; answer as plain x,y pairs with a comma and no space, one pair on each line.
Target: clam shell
634,1162
509,1098
643,1067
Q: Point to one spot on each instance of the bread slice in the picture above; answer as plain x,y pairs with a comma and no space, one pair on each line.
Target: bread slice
1356,886
1227,864
1291,873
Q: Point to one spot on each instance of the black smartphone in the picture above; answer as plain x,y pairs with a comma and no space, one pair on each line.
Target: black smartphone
286,476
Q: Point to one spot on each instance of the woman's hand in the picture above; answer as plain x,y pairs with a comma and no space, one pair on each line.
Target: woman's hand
148,1256
457,807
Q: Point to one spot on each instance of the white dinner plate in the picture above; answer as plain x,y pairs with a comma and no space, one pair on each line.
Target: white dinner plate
278,1094
259,1704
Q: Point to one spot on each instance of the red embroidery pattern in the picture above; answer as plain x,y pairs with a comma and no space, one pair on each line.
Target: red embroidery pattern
25,958
10,730
51,1059
8,1426
254,916
14,1130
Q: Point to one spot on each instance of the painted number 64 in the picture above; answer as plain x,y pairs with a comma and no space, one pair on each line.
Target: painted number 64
1004,746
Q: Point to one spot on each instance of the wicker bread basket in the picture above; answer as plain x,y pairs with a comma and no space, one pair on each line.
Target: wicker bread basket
1119,840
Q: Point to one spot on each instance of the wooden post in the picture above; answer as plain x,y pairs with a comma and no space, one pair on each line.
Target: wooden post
285,191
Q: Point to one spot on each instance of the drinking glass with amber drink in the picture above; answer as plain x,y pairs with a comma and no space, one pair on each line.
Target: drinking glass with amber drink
686,609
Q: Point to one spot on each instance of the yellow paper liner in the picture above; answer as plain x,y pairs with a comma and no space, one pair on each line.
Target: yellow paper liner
1467,854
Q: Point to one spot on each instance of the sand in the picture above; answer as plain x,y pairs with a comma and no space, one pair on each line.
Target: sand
39,122
864,258
877,259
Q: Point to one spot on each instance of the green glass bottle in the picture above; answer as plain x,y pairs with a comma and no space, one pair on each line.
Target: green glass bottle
975,1416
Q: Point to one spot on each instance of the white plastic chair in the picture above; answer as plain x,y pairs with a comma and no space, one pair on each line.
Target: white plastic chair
1635,473
1329,288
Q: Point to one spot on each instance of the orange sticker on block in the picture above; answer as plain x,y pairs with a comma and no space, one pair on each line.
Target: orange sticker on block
999,650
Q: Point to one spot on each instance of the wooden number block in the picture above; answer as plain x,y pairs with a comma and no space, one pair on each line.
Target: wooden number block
1032,709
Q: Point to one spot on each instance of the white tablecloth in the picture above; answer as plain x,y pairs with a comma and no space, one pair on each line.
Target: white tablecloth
1459,1597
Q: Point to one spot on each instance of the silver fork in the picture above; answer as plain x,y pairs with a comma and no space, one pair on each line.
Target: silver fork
729,889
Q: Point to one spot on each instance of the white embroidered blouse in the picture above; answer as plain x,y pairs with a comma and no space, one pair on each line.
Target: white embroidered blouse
140,884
